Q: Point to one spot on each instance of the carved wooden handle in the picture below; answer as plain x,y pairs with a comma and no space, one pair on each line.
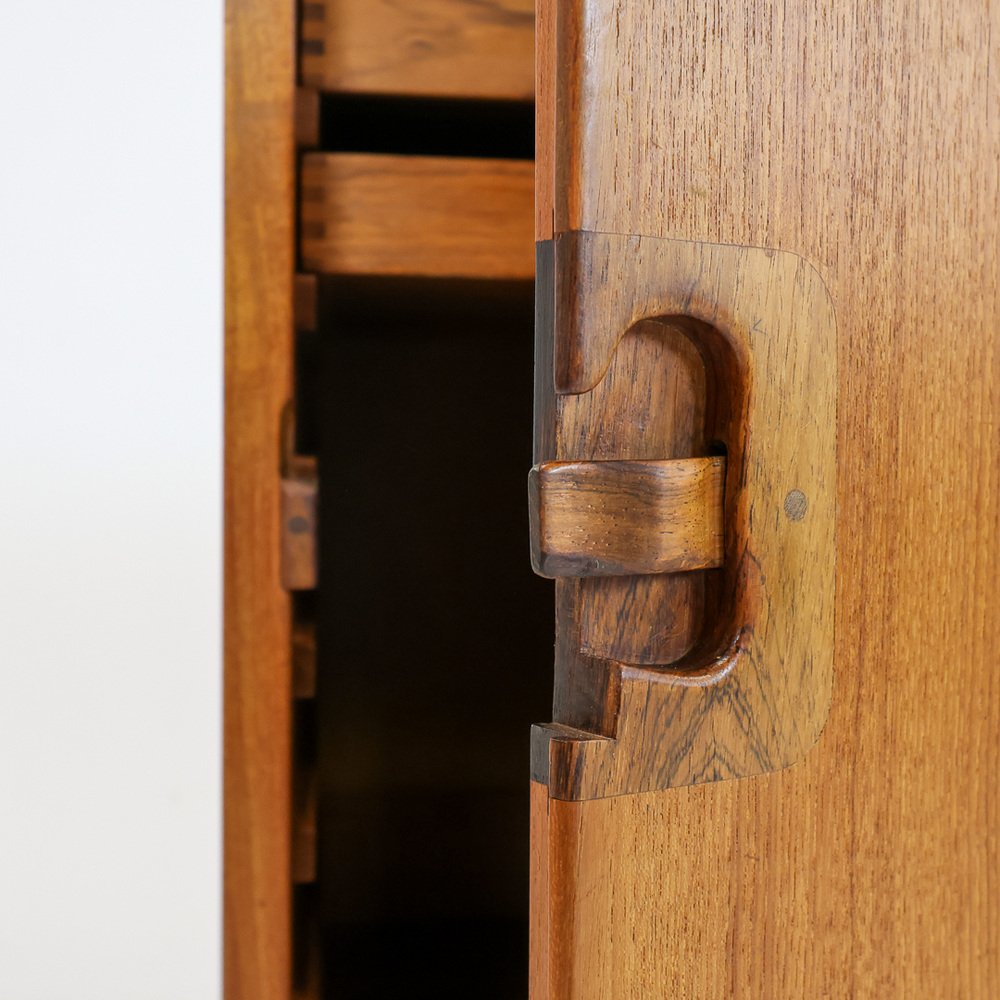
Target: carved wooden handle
694,593
626,518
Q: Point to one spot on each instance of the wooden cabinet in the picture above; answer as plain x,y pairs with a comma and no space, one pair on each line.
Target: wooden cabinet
388,645
766,485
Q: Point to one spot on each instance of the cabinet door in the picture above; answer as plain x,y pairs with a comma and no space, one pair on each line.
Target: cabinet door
768,239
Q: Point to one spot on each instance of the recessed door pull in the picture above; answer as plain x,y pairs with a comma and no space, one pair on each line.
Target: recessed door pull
683,496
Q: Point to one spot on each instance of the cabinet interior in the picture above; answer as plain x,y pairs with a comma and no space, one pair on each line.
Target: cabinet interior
433,638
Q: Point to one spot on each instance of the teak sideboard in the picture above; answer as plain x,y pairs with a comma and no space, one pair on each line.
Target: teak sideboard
742,263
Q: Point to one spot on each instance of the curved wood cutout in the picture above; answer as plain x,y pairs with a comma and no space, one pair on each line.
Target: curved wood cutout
654,691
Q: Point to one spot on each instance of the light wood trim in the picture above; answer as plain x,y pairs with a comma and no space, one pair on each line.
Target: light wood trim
432,48
626,518
539,930
546,68
417,216
260,184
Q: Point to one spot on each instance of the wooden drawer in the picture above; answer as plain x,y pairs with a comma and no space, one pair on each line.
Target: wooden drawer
434,48
417,215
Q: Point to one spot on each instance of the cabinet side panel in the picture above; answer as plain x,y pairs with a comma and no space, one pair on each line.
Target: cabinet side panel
259,265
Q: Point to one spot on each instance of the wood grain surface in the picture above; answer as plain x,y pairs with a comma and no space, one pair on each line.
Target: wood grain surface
626,518
420,216
434,48
259,228
866,139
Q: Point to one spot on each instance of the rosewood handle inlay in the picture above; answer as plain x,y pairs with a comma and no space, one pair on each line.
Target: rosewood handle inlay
694,593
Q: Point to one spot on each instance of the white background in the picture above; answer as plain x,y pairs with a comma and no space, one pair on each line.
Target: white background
110,499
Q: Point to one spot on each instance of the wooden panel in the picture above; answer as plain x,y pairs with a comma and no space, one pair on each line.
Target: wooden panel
436,48
863,137
259,261
417,215
624,518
